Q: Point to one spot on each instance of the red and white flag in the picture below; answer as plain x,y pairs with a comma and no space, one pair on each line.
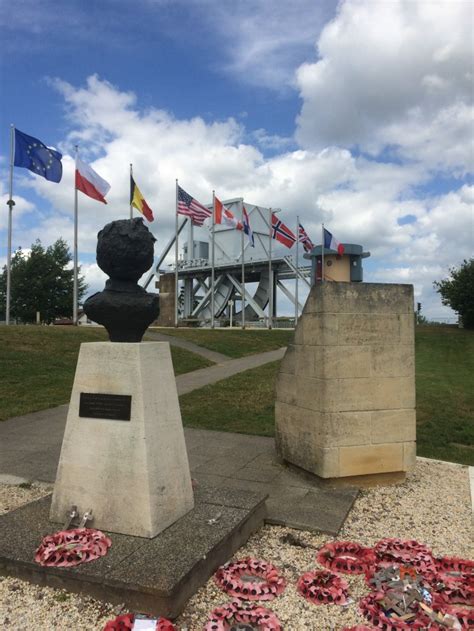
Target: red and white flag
225,216
90,182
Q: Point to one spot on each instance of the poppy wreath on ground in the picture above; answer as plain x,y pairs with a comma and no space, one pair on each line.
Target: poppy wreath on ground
68,548
457,577
237,612
346,556
250,579
358,627
405,571
454,588
374,612
465,615
323,588
126,621
408,552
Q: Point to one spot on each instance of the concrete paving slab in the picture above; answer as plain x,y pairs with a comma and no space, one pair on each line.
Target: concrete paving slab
155,575
213,356
219,459
30,448
204,376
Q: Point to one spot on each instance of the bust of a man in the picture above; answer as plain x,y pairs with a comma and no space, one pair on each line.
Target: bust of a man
124,252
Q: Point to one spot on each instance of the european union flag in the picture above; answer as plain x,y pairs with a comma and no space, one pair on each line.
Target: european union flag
32,154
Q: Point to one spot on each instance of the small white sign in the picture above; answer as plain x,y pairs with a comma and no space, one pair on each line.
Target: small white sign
144,625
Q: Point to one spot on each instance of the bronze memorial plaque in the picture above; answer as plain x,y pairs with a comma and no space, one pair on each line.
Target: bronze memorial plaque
114,407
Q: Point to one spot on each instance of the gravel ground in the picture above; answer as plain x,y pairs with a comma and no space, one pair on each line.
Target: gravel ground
432,506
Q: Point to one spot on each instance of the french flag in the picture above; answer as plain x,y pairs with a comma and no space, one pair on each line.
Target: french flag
90,182
247,229
330,243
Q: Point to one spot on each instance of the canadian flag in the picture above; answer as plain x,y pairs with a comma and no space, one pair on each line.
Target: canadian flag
90,182
224,215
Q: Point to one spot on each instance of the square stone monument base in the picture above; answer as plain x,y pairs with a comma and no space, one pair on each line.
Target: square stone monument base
123,453
345,394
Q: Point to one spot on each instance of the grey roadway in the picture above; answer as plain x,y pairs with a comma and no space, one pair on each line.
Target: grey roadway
30,446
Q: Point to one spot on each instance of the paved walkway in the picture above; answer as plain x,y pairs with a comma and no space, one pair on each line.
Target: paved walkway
205,376
30,446
217,358
40,434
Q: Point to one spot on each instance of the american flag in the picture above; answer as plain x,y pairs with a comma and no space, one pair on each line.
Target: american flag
190,207
282,233
304,239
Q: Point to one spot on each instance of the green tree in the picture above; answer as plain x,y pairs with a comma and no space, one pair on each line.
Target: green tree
41,281
458,292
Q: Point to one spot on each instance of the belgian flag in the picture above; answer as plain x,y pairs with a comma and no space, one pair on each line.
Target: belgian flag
138,201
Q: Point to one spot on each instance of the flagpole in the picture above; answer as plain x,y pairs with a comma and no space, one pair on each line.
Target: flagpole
176,260
322,253
243,263
74,293
297,267
270,279
131,176
10,204
212,256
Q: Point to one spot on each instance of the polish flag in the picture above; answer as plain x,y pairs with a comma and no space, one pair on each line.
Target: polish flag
330,243
90,182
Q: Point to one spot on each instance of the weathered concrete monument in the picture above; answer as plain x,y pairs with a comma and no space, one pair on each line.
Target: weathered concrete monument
123,455
345,402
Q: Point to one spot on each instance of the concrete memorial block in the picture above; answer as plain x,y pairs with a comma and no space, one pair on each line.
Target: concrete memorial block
133,473
123,455
345,395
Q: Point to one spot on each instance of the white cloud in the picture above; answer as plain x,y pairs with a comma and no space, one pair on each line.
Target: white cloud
94,277
361,200
263,42
394,75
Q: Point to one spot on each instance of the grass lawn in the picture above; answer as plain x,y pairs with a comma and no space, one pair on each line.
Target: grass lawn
234,342
37,365
445,393
243,403
444,388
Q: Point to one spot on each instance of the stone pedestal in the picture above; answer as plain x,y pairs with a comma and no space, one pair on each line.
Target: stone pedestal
133,474
345,395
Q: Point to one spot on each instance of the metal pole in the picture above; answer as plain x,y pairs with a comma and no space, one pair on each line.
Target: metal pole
270,278
243,264
297,267
176,260
75,292
10,204
131,176
231,305
212,256
189,281
322,253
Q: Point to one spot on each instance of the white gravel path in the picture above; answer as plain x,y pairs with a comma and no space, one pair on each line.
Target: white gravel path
432,506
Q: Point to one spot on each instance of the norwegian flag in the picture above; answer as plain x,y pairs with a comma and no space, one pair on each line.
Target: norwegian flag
303,238
223,215
282,233
190,207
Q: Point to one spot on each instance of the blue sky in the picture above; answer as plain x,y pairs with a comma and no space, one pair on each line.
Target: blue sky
357,114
